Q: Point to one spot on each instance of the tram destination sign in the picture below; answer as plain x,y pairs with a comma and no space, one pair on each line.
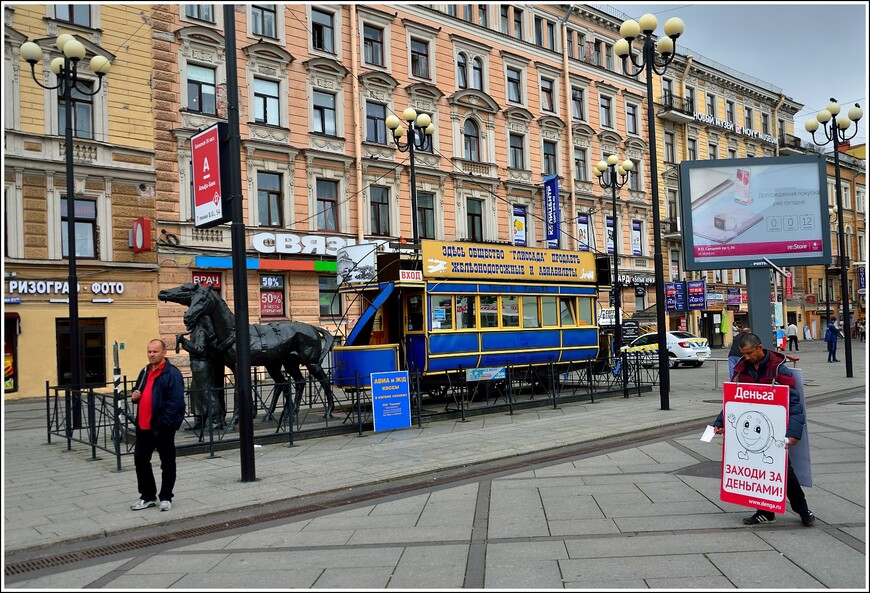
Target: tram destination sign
480,261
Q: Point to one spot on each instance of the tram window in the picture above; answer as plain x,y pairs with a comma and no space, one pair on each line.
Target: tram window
415,313
442,312
510,311
549,311
465,317
530,312
584,311
489,311
566,310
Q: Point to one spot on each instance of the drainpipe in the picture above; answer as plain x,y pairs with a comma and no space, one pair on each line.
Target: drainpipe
357,129
775,121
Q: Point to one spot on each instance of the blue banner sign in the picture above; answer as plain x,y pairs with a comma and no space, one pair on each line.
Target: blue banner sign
697,293
391,400
551,210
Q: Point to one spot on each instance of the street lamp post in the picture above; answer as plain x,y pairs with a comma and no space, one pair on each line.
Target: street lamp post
420,130
66,70
614,184
836,131
655,58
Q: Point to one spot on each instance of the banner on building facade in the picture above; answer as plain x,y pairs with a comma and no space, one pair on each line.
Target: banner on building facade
583,232
518,224
551,210
608,225
635,238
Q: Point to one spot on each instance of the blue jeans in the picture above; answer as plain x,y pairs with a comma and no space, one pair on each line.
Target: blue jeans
732,361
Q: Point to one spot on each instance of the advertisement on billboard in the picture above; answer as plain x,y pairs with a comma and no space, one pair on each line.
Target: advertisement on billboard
551,209
697,294
738,211
583,232
208,151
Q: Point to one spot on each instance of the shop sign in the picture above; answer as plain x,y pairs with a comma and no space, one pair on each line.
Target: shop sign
733,127
61,287
271,303
206,278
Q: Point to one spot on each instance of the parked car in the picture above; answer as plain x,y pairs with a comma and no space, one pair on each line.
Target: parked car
683,348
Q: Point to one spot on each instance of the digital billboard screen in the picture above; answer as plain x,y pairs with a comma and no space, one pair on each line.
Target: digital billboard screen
738,211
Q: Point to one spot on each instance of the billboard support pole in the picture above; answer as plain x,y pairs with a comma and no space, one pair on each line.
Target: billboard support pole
758,291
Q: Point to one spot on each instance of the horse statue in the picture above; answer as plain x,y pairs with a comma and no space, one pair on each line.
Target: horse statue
274,345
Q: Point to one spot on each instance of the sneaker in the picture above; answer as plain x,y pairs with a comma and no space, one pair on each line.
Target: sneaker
758,518
808,519
143,504
165,505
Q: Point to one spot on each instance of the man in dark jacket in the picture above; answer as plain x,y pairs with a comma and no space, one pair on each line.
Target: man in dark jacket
767,367
159,391
831,336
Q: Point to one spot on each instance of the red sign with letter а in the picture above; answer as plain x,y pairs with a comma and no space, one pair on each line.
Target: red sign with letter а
205,149
754,454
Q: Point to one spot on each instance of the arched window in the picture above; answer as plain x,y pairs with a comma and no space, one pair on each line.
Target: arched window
477,75
461,71
471,140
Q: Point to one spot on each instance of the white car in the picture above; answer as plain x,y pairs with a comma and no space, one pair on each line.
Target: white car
683,347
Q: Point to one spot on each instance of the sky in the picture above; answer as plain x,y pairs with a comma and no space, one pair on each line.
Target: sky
812,51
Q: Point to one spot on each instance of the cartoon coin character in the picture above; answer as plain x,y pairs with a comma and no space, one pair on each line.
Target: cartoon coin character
754,433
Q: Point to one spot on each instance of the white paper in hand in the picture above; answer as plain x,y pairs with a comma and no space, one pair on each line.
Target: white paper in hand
708,434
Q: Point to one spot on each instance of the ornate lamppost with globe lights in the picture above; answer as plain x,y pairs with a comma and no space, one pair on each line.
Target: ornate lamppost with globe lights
613,183
655,57
66,69
420,130
836,130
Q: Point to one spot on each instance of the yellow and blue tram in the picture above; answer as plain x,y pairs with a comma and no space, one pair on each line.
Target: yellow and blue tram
454,306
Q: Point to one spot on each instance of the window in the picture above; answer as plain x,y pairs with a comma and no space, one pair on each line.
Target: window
327,205
539,31
441,311
634,176
451,9
517,158
510,311
202,12
780,128
670,152
488,311
514,77
596,53
631,118
668,92
322,31
263,20
324,113
470,141
577,111
690,99
580,165
474,219
505,20
419,58
547,102
729,110
530,311
461,71
82,115
606,112
266,102
85,222
765,123
548,310
477,74
608,56
570,44
481,15
269,199
376,123
373,45
549,163
712,151
551,36
693,149
77,14
380,202
732,153
467,12
330,300
747,118
711,104
566,311
518,23
272,295
200,89
425,215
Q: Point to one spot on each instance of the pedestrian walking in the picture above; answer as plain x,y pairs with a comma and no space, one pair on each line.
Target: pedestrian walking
768,367
734,354
792,333
831,336
159,393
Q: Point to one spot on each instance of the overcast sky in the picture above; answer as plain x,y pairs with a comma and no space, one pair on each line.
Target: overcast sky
811,51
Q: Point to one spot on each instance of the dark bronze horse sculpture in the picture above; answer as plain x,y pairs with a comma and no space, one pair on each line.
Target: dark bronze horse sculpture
274,345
